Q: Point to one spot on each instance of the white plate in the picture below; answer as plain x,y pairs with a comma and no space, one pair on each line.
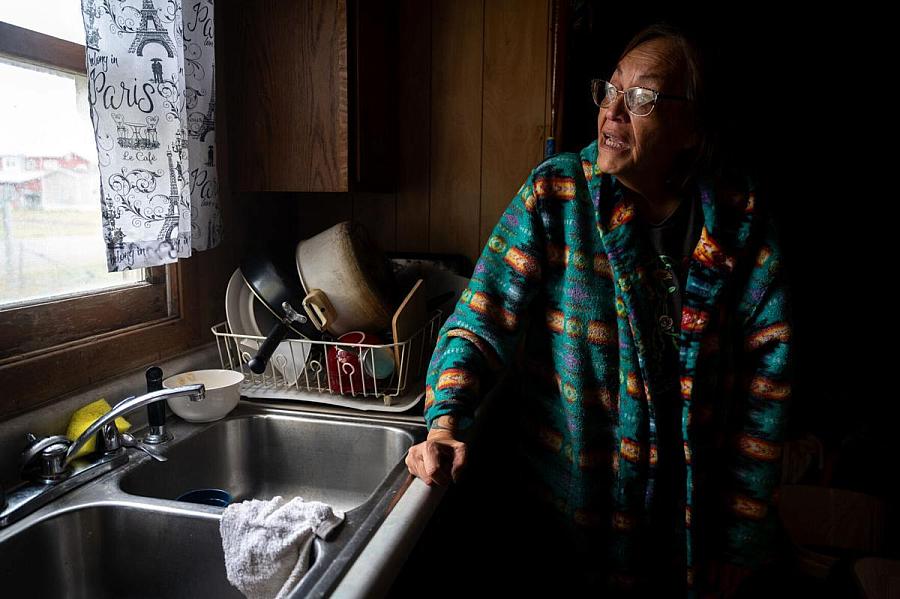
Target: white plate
245,308
234,305
236,312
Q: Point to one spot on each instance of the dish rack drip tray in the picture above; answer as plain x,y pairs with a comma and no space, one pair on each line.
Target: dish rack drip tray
385,377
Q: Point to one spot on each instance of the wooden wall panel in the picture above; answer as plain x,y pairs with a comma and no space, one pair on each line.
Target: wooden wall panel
471,95
456,96
515,67
232,212
377,213
414,125
318,211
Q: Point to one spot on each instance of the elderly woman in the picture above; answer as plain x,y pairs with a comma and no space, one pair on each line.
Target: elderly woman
640,296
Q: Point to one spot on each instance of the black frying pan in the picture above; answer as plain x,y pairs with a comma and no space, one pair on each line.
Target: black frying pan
283,298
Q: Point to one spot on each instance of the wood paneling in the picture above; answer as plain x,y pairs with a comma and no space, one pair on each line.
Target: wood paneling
286,137
473,118
414,127
378,214
318,211
515,69
471,90
456,112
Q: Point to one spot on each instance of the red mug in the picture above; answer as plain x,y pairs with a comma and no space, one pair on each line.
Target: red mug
346,373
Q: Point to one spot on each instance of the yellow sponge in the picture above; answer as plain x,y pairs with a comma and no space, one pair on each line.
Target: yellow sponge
86,416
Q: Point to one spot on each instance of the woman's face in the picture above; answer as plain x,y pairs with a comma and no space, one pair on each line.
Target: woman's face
652,142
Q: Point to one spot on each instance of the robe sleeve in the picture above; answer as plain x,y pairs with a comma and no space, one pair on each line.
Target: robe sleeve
753,463
478,340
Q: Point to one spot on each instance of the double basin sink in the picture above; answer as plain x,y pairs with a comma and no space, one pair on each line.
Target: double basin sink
125,534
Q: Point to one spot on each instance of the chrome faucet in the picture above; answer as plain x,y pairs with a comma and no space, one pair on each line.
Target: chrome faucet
51,465
194,392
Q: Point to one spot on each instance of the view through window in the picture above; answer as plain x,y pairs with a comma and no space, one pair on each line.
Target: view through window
51,236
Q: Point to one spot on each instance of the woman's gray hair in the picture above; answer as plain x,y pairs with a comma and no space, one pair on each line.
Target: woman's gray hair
705,159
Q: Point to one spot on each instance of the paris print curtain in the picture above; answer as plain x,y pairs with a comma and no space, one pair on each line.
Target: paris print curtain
150,66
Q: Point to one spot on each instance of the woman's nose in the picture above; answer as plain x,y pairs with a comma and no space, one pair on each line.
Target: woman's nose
617,109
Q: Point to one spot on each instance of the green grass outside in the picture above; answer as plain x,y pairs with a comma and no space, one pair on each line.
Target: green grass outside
52,279
30,224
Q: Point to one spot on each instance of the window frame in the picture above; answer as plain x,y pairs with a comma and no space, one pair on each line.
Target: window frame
36,373
32,328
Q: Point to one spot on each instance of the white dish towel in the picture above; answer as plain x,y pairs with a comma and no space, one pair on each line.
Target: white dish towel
267,543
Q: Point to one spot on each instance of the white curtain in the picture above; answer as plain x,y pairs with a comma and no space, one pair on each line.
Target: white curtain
151,82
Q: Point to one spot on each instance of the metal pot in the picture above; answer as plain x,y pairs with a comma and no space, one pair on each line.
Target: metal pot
354,279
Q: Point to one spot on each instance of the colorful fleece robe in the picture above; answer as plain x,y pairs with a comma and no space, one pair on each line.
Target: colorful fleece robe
562,293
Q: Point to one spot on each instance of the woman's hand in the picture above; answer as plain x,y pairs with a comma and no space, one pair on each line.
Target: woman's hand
725,579
440,457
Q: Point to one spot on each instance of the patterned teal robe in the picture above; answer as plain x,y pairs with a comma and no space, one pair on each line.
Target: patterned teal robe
562,292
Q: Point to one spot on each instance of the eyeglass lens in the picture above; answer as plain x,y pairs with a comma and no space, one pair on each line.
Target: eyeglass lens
637,99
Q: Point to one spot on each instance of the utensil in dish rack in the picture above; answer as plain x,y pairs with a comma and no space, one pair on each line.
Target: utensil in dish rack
409,317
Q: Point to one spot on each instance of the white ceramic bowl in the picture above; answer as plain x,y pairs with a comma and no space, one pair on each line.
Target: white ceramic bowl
223,390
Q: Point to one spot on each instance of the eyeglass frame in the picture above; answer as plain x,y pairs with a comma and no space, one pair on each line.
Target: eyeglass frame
657,96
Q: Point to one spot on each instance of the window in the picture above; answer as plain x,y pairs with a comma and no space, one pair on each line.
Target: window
64,320
49,188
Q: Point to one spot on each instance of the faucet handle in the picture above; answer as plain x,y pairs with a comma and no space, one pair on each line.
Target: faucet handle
109,437
52,453
128,440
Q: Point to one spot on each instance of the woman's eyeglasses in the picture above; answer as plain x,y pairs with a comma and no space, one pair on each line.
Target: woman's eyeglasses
638,100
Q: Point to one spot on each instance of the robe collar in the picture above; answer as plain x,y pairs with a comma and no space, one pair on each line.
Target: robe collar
723,237
721,219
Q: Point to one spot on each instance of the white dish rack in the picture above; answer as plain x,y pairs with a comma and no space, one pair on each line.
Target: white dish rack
299,369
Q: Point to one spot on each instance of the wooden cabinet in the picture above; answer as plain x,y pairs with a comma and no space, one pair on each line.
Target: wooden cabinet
308,86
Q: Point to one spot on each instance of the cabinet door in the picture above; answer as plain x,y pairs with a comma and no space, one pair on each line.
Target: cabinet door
286,81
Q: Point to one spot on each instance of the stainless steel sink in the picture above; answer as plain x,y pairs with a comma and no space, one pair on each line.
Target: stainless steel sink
117,550
124,533
338,462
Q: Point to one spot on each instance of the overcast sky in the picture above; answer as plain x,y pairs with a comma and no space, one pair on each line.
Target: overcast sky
38,112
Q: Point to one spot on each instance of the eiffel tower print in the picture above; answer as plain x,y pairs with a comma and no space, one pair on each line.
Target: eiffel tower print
209,119
170,224
144,35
